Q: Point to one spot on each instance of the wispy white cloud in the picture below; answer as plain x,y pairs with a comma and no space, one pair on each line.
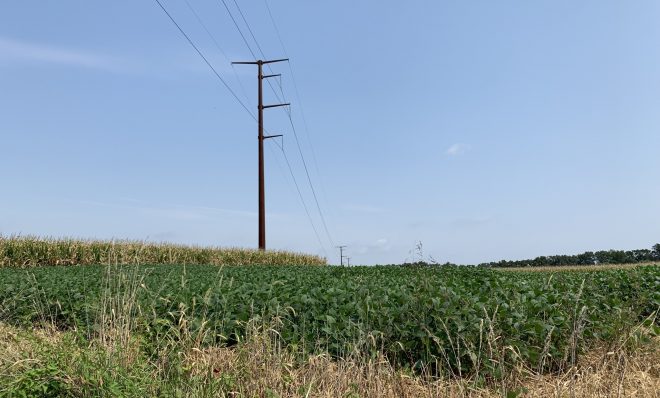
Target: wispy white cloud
179,63
457,149
12,50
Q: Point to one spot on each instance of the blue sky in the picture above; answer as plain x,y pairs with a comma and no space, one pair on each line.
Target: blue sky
485,130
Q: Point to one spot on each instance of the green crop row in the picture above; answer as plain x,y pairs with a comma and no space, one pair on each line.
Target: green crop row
26,251
455,318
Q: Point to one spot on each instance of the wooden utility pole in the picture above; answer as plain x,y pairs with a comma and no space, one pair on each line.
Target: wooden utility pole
261,137
341,254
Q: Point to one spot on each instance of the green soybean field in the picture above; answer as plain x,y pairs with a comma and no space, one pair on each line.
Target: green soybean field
458,320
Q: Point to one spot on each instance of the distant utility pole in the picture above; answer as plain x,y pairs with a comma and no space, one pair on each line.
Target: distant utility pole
341,254
348,261
261,137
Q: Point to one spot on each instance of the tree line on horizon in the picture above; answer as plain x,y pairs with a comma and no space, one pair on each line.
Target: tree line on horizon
586,258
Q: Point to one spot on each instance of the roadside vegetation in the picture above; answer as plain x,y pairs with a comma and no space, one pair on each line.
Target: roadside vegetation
50,363
327,331
29,251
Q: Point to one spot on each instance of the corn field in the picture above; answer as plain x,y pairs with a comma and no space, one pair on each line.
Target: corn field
30,251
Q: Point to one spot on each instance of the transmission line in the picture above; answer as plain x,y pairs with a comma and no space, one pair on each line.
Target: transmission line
205,60
297,92
217,45
258,46
238,28
235,96
290,116
302,200
325,226
318,207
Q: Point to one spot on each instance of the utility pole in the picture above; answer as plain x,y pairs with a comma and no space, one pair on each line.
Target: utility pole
348,261
261,137
341,254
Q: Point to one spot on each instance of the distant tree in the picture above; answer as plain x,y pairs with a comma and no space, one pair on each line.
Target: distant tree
602,257
642,255
655,253
540,261
586,258
618,257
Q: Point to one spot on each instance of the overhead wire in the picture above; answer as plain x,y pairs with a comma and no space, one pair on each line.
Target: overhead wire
302,200
279,37
217,45
309,179
288,111
247,44
295,87
290,116
235,96
240,11
199,52
289,178
238,28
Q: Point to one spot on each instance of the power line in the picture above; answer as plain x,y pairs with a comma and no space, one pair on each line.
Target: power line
235,96
205,60
259,48
293,79
279,163
217,45
288,112
238,28
279,37
302,200
302,112
231,15
309,179
249,29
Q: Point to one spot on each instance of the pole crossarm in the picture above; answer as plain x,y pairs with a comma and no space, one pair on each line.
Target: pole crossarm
259,62
273,136
275,105
275,60
267,76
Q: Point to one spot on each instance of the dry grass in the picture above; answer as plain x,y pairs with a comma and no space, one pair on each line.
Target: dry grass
561,268
29,251
605,373
261,367
598,375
